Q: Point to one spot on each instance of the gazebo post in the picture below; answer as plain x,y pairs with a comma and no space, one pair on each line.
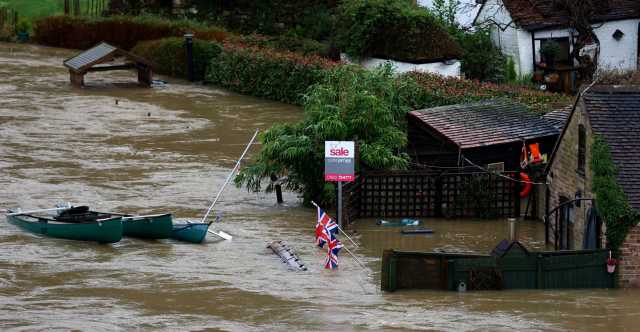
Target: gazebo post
77,79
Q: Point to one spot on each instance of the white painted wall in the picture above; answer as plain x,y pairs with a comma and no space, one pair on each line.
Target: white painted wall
516,42
622,54
512,41
447,69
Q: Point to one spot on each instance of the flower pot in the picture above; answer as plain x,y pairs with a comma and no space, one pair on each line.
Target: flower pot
611,268
23,36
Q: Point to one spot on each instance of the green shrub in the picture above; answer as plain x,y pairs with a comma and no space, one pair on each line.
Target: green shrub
438,90
393,30
266,72
349,104
168,56
612,203
24,25
481,60
122,31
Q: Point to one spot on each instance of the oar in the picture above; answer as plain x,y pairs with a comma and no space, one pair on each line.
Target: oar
36,211
206,215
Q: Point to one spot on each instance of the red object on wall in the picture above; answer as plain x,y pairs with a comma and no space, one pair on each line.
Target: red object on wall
526,190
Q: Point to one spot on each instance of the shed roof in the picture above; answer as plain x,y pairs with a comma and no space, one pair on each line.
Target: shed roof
541,14
558,117
484,123
97,54
614,113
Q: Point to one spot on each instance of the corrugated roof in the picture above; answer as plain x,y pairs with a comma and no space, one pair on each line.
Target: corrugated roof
90,56
616,116
485,123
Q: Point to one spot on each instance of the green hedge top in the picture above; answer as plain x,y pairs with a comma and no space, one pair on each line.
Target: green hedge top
393,30
121,31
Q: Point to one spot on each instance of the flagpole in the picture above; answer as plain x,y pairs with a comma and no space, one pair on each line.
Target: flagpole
339,228
354,257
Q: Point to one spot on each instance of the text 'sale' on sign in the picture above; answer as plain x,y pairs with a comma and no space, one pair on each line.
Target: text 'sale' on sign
339,161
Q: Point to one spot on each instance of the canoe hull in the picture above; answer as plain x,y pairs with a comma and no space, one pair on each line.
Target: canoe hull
194,232
107,231
156,227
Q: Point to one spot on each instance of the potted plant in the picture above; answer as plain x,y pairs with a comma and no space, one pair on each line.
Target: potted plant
22,29
611,264
550,50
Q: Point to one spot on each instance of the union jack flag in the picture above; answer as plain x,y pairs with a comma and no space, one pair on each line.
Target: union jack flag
326,228
333,248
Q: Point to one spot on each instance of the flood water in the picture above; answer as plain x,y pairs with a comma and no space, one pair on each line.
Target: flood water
118,147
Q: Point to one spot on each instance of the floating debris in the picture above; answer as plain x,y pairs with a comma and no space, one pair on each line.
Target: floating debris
287,255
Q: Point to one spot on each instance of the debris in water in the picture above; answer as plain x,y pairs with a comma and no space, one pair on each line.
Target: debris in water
287,255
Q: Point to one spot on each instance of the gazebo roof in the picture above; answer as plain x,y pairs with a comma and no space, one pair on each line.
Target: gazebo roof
100,53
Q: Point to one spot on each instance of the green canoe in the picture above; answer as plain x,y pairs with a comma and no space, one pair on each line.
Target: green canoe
157,226
148,227
107,230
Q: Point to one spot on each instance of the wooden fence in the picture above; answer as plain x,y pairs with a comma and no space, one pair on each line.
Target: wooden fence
537,270
8,19
419,193
85,7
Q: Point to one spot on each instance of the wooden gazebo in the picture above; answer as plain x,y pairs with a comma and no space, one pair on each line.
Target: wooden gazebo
104,57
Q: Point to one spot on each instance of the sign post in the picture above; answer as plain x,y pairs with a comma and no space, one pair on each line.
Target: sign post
339,160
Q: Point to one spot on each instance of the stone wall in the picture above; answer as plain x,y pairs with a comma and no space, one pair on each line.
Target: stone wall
629,265
565,180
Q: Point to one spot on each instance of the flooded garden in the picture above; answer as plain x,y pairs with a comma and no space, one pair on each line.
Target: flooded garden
118,147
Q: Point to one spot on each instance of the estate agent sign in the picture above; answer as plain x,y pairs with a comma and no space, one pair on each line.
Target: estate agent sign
339,160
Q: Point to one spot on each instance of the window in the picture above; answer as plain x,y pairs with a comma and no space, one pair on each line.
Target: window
582,149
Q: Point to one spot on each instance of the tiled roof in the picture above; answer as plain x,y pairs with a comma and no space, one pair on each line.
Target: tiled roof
484,123
540,14
615,114
558,118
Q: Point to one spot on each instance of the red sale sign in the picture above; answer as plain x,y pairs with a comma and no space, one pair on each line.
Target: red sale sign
339,159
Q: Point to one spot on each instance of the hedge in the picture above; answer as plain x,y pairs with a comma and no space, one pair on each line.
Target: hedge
448,90
169,57
266,72
121,31
394,30
127,31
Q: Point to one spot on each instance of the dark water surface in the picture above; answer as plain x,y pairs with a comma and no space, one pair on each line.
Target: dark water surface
169,149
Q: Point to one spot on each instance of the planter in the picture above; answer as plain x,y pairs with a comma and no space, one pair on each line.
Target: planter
23,36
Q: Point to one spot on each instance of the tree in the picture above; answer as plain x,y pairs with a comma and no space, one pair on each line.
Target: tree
368,107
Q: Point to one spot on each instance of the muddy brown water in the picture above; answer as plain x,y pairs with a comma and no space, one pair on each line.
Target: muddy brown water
168,149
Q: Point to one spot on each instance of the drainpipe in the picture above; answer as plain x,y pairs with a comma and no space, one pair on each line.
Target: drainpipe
188,44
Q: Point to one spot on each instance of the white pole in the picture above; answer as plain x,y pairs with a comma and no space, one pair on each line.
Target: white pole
339,204
36,211
204,219
354,257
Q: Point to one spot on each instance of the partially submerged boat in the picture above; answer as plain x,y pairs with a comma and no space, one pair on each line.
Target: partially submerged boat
402,222
79,225
190,232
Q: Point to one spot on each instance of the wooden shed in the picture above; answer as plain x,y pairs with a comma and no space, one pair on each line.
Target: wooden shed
105,57
484,132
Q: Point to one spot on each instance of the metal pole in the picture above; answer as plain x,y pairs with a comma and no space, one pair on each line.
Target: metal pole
188,43
340,204
340,229
204,219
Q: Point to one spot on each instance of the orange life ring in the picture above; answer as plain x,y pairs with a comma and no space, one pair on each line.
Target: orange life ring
526,189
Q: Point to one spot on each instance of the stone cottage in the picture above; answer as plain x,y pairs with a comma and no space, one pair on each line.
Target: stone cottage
613,113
